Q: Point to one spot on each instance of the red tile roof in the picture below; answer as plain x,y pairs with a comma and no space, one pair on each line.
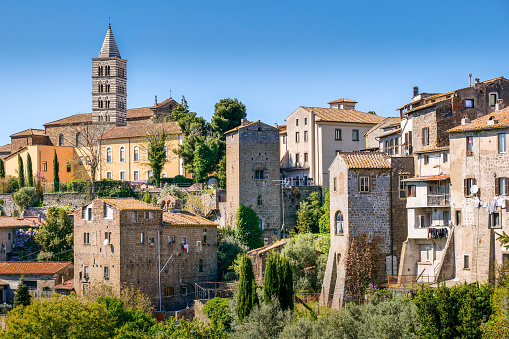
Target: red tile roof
430,178
32,267
5,148
28,132
13,222
130,204
264,249
344,115
171,128
184,218
500,120
342,100
431,150
374,160
73,119
66,285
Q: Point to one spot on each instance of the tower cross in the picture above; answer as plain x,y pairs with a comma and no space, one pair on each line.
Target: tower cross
170,92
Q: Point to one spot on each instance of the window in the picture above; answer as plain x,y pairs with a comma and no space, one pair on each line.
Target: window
184,291
296,122
446,217
260,224
122,154
426,159
501,143
470,145
445,158
260,201
122,175
151,241
305,158
134,216
78,139
61,140
200,265
136,175
493,99
44,166
68,167
89,213
363,184
86,238
410,191
149,173
136,154
468,183
495,220
337,134
259,174
107,236
108,211
106,272
296,136
109,175
169,291
305,121
421,221
86,272
396,149
428,253
402,188
339,223
457,217
355,135
469,103
305,135
184,240
335,184
284,139
108,155
142,238
425,136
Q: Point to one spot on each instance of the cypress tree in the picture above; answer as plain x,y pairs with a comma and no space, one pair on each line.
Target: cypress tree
2,169
278,280
22,296
21,173
246,295
30,174
286,285
271,278
56,179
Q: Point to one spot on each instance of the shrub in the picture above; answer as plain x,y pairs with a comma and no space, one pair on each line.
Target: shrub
114,188
147,198
229,248
23,198
247,228
178,180
265,321
22,296
217,311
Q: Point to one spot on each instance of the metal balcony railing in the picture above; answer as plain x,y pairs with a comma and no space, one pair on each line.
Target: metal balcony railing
439,199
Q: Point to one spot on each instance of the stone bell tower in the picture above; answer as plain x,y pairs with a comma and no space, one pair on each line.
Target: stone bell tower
109,89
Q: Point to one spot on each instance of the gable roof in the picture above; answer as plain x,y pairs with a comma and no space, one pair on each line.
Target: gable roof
129,204
28,132
343,115
73,119
5,148
272,246
501,118
184,218
342,100
386,122
139,130
391,132
374,160
32,267
13,222
250,124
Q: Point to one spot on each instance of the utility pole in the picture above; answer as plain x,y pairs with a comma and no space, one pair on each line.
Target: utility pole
281,181
159,266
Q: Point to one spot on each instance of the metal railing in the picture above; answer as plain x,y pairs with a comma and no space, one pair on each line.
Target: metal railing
211,290
398,280
439,199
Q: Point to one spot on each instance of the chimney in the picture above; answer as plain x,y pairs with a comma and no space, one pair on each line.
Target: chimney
416,91
476,80
265,242
156,101
465,120
499,105
492,121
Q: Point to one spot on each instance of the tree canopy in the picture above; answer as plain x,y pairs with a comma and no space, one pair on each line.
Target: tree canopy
56,235
247,229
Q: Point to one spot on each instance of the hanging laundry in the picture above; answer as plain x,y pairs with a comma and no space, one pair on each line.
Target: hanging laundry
477,202
186,248
438,233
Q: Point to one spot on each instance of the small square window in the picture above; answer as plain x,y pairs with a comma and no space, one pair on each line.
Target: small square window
355,135
337,134
296,122
445,158
469,103
466,262
363,184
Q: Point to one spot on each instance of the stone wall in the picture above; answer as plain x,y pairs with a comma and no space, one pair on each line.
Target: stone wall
293,196
9,205
73,200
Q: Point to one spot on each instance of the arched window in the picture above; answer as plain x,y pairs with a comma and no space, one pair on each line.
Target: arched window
122,154
78,139
339,222
260,201
136,153
108,155
61,140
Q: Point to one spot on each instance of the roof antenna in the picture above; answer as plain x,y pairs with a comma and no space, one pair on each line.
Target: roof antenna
470,78
156,99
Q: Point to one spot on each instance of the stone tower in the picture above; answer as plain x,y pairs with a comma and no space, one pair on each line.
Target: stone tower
109,90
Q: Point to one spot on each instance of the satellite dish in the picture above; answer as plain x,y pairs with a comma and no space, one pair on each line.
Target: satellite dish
474,189
105,242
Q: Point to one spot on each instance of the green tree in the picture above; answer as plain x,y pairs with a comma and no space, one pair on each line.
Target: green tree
221,172
228,114
217,311
22,296
30,173
21,172
248,228
56,178
278,280
56,235
147,198
205,158
23,197
157,153
324,221
229,248
246,294
309,214
2,169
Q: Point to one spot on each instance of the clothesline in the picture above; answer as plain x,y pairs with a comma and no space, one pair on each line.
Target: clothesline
491,206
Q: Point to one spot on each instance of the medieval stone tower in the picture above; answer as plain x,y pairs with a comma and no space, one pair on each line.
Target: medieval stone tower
109,90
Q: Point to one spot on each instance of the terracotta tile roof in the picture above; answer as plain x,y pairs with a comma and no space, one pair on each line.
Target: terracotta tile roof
13,222
73,119
245,125
32,267
424,106
452,92
344,115
375,160
66,285
501,118
342,100
184,218
390,121
282,128
268,247
142,112
139,130
5,148
165,102
394,131
130,204
28,132
430,150
430,178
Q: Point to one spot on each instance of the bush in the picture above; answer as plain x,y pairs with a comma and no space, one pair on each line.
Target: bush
147,198
23,198
248,230
265,321
8,184
229,248
113,188
217,311
178,180
79,186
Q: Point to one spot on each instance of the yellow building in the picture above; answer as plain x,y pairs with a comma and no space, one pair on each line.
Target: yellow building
124,152
42,162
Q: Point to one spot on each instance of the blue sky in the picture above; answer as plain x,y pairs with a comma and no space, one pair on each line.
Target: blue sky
272,55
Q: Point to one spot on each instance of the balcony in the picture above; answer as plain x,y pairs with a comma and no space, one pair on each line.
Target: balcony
439,199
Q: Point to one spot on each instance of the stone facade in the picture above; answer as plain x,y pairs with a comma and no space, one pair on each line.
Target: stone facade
252,174
137,234
259,256
292,197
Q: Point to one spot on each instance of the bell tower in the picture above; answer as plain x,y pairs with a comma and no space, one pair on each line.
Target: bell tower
109,79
